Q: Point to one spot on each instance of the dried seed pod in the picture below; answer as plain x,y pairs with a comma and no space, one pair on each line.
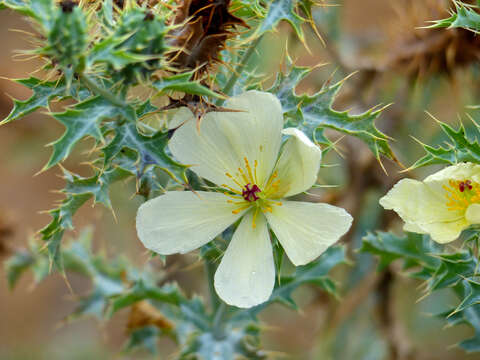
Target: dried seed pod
204,26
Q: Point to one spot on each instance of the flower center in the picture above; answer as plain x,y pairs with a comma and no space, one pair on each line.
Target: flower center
461,194
250,193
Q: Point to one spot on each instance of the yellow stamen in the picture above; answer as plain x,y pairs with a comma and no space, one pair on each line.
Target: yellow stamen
460,194
249,170
254,217
242,174
236,211
234,180
236,202
274,175
231,189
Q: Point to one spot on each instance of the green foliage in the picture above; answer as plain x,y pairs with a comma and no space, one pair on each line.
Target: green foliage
427,260
43,93
67,40
282,10
458,148
135,47
315,273
116,284
313,113
463,16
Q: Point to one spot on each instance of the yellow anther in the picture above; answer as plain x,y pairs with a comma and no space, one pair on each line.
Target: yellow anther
242,174
234,180
255,165
460,194
249,170
254,217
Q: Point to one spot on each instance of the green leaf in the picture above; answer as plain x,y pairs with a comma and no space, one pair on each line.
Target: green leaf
315,273
82,120
43,93
282,10
168,293
78,191
456,270
145,337
310,113
458,148
150,149
182,82
464,17
108,51
414,249
16,265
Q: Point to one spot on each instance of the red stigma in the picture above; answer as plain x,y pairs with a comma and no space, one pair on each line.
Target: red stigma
250,193
465,185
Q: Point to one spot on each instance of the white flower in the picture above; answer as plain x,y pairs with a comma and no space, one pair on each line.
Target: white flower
442,205
241,153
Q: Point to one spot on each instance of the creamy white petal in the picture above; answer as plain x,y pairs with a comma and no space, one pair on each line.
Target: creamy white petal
298,164
412,227
461,171
246,274
444,232
419,203
306,230
177,117
181,221
226,138
473,214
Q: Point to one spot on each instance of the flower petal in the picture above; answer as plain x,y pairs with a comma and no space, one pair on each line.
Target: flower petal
226,138
179,222
246,275
461,171
473,214
444,232
306,230
419,203
298,164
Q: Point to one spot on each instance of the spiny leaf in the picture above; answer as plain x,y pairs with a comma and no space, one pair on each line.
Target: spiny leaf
457,271
464,17
182,82
282,10
458,148
310,113
150,149
169,293
16,265
82,120
43,93
314,273
78,191
414,249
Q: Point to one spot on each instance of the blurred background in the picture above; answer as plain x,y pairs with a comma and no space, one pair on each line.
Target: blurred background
379,314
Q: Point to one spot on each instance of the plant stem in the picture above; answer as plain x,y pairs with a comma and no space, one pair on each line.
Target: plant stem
98,90
210,272
218,325
240,67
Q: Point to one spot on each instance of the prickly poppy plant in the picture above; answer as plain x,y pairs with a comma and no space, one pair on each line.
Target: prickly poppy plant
255,203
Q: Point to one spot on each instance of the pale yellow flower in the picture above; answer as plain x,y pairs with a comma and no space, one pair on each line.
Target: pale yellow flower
242,153
442,205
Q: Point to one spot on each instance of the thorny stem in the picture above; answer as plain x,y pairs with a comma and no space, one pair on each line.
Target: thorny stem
240,67
98,90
